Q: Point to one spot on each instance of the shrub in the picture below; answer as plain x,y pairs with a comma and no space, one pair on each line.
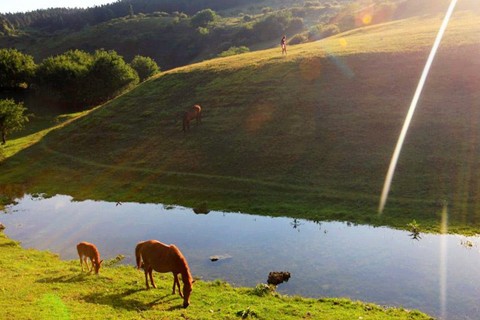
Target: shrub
78,79
64,78
109,76
12,117
294,25
247,18
309,4
233,51
203,18
144,66
263,289
298,38
322,31
16,68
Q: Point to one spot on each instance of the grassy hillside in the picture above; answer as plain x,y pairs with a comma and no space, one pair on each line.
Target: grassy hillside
307,135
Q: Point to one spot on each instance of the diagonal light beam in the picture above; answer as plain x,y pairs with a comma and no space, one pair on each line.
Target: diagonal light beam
413,105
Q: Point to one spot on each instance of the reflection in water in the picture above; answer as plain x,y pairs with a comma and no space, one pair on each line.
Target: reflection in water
10,192
296,224
378,265
415,236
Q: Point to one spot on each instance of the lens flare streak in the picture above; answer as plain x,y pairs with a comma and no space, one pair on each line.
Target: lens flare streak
413,105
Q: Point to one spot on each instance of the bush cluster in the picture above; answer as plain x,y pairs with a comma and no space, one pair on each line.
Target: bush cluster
75,79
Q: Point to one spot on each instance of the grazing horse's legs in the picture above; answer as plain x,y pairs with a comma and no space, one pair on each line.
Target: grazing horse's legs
145,269
175,281
89,268
150,271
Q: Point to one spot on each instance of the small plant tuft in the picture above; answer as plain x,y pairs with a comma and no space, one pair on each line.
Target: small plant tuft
414,228
263,289
247,313
114,261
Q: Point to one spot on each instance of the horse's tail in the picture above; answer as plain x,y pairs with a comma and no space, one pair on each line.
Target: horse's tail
138,255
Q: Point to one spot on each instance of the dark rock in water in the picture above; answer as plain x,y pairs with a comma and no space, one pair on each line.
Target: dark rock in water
277,277
220,257
201,209
2,227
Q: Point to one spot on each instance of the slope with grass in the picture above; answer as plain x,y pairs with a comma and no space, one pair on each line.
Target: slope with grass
38,285
307,135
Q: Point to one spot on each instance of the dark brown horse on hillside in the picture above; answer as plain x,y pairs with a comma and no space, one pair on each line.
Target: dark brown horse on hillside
154,255
194,113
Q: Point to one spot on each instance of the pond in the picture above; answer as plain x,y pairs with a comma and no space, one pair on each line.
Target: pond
437,274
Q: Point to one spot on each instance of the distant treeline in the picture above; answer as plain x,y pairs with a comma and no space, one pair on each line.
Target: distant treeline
61,18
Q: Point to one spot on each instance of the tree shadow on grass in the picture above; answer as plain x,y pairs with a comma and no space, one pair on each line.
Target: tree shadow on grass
121,300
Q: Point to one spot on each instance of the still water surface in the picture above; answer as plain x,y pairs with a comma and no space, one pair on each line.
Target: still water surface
331,259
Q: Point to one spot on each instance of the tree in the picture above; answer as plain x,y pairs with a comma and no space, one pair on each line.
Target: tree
64,78
109,75
12,117
78,79
16,68
203,18
272,26
144,66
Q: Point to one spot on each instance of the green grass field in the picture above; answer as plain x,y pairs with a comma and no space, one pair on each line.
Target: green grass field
307,135
38,285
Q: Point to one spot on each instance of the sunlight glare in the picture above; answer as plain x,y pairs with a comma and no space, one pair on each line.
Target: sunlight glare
367,19
413,105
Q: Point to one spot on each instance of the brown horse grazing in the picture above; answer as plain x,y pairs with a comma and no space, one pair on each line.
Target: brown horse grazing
194,113
88,250
154,255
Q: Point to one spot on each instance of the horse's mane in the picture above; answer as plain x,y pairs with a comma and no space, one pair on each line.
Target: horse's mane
96,253
183,261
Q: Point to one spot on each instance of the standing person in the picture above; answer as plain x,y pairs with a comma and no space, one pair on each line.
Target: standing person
283,42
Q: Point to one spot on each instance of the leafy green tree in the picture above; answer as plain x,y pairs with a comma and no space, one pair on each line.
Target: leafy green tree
294,25
16,68
64,78
144,66
109,76
78,79
273,25
12,117
6,27
203,18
